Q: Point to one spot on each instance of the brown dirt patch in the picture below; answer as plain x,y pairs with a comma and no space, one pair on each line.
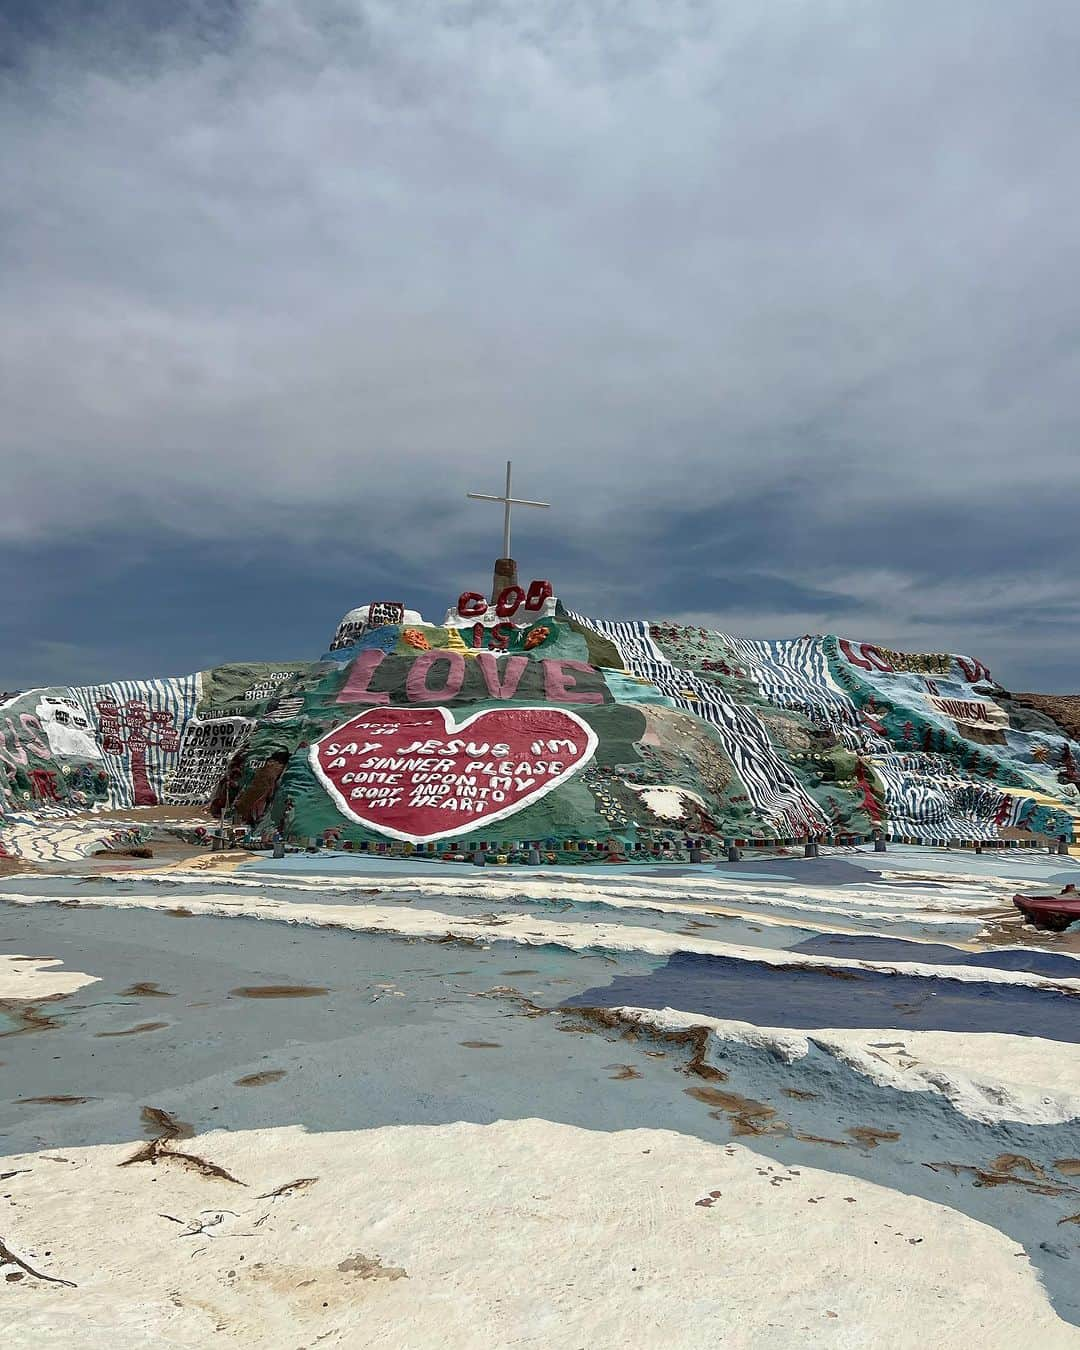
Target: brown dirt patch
159,1150
279,991
288,1188
132,1031
623,1072
372,1268
27,1017
53,1101
11,867
821,1139
526,1007
870,1137
746,1115
697,1038
1009,1169
1064,709
161,1124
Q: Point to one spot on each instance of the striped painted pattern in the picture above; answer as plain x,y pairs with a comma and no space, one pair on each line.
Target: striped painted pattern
37,840
177,696
285,709
926,801
770,784
633,639
795,674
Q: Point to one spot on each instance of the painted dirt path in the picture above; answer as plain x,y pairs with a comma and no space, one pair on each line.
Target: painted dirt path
426,1107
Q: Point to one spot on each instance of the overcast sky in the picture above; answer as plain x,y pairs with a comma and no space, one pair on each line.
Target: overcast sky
776,303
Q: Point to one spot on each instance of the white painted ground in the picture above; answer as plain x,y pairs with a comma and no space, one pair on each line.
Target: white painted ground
30,977
523,1234
528,931
987,1077
849,909
872,907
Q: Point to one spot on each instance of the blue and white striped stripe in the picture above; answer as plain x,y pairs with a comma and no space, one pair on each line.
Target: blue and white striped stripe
772,787
925,800
632,637
795,674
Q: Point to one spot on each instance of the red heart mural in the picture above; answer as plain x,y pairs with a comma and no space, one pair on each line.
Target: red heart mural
415,774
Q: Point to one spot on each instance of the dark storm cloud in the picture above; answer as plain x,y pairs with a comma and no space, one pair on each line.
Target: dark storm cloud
778,304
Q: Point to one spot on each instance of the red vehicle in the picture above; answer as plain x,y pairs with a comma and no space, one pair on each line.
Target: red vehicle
1053,912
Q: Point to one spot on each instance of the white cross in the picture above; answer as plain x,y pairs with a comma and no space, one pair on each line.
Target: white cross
508,501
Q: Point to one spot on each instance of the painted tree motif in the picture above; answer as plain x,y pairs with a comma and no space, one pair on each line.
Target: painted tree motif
132,728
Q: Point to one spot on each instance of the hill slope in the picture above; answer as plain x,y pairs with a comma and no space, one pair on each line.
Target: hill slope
554,727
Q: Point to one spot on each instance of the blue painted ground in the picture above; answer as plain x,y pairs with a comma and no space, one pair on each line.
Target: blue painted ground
868,948
784,996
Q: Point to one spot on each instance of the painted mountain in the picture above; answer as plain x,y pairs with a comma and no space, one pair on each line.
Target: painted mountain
524,721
